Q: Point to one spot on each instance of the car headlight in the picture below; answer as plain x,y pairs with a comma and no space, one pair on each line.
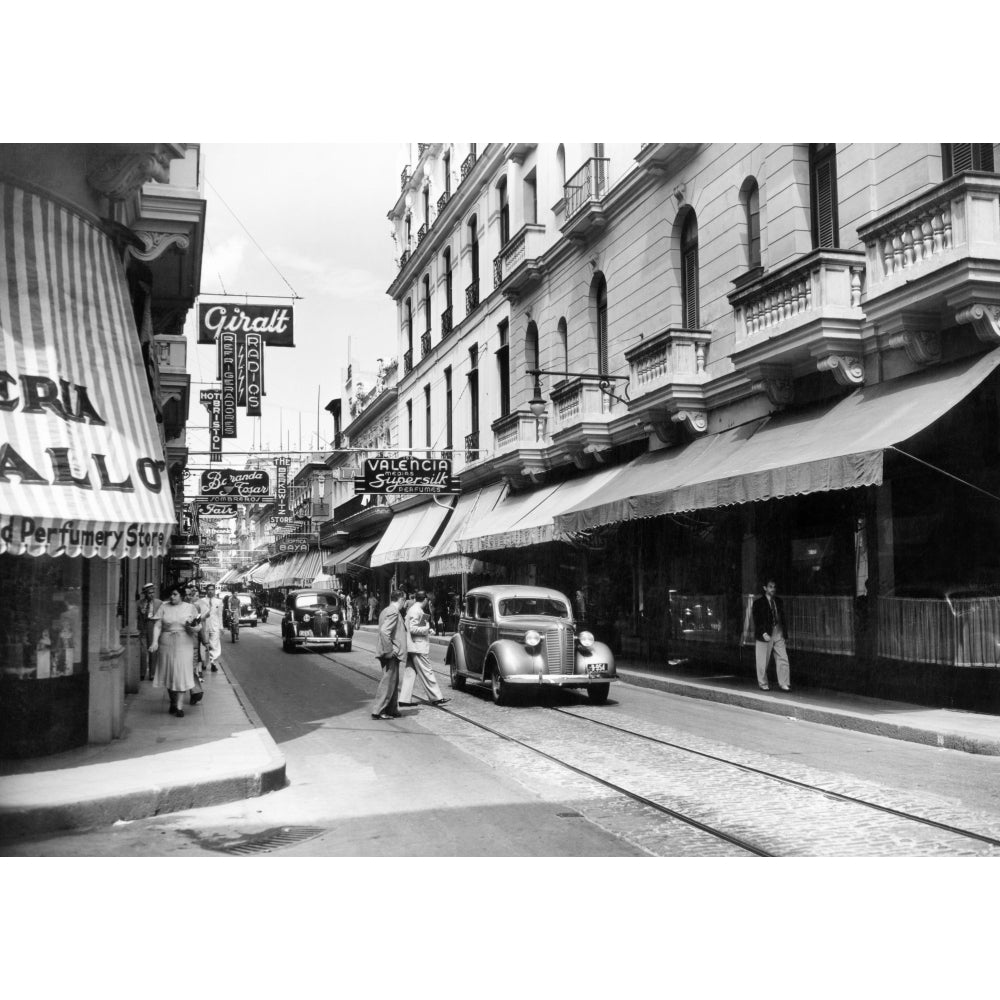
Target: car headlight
532,638
305,619
586,639
335,618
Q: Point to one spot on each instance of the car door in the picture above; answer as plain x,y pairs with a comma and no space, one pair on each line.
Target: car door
474,635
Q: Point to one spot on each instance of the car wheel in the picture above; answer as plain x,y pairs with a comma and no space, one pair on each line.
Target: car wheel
598,693
287,645
457,679
499,687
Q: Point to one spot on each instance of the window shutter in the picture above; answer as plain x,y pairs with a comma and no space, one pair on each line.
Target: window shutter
961,157
689,278
824,205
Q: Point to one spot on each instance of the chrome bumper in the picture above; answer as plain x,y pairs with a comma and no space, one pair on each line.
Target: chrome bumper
561,680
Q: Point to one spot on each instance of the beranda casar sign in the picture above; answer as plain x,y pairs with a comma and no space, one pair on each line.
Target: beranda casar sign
272,322
238,485
407,475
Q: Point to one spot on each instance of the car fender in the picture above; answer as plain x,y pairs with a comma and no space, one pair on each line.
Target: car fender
456,654
599,652
512,658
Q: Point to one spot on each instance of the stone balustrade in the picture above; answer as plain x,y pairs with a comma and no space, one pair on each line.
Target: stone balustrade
579,400
516,430
673,356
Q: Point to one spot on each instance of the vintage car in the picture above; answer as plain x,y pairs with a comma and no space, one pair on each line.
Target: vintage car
315,619
513,637
248,612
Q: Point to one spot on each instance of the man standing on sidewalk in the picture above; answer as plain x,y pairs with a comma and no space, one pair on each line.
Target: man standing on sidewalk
210,608
769,633
145,609
390,648
418,649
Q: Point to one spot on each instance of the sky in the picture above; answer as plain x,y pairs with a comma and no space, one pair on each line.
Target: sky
287,219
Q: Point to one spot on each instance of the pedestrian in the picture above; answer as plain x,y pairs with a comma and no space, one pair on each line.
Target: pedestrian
210,608
175,627
191,596
769,636
372,607
390,648
145,609
418,654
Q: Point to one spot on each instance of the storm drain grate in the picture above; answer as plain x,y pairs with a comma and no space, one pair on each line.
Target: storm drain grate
271,840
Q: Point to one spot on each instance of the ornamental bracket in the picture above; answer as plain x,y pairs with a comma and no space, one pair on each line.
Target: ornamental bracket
847,369
156,244
694,420
923,347
985,321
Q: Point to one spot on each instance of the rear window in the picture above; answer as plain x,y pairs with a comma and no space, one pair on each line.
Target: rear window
547,606
314,601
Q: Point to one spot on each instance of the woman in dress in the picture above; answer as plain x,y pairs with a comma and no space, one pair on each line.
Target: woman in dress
175,632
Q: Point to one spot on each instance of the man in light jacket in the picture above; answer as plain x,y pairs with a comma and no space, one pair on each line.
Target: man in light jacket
418,659
390,648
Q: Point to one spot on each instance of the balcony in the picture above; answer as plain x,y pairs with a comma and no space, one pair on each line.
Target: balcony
403,258
421,233
581,412
467,164
407,360
667,379
935,261
442,201
804,316
583,194
446,324
472,447
518,266
404,177
425,343
516,430
472,297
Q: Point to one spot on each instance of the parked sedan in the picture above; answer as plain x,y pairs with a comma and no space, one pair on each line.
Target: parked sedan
248,613
315,619
521,637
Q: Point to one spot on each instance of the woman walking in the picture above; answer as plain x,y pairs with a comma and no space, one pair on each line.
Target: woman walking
175,625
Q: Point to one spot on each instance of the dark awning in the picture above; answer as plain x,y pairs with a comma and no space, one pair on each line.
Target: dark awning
832,448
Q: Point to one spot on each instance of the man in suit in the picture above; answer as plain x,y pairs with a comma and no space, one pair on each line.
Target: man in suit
145,609
390,648
418,649
769,634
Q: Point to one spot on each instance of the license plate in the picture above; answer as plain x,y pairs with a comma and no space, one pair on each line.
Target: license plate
596,668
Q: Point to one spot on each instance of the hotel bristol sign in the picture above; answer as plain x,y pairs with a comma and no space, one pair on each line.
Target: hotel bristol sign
406,475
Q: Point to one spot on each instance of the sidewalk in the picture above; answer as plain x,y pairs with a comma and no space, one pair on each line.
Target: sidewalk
219,752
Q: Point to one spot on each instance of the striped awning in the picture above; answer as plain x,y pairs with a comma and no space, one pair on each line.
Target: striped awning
410,534
82,470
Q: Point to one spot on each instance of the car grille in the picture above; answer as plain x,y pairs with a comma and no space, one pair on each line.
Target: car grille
559,651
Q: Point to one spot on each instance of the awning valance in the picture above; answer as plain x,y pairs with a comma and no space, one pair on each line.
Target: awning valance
528,518
410,534
445,559
82,470
354,559
832,448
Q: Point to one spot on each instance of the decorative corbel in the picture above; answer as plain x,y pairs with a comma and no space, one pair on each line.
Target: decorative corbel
923,347
154,245
780,390
985,321
661,429
694,420
118,177
847,369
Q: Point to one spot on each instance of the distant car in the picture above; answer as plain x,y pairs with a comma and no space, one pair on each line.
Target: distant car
248,611
522,637
315,619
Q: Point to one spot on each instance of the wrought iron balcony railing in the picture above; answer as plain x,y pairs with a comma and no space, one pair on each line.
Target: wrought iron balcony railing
403,258
472,297
425,343
446,326
421,233
404,177
588,184
442,201
497,270
472,447
408,360
467,164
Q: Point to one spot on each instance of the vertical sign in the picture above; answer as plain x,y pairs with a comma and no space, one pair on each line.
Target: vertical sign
227,347
281,486
211,399
254,372
241,369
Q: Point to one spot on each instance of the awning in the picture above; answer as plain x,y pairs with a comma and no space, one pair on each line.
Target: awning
352,560
833,448
308,568
528,518
82,469
410,534
445,559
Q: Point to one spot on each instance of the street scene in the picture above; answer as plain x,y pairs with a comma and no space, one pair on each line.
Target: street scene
616,500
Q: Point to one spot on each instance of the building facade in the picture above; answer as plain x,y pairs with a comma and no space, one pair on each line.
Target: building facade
666,370
101,262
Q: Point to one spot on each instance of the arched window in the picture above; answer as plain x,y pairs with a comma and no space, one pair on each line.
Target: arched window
563,341
408,320
600,300
504,204
561,165
689,273
531,346
751,206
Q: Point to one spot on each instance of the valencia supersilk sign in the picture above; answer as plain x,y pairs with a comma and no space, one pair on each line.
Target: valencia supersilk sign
406,475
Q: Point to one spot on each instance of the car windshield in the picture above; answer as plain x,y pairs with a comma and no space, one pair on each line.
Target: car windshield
512,607
314,601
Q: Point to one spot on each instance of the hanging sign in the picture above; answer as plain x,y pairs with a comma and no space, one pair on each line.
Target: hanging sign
292,547
281,485
241,369
236,485
210,509
254,372
227,348
273,322
211,399
406,475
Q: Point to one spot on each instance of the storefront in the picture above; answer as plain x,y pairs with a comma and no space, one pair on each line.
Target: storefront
83,483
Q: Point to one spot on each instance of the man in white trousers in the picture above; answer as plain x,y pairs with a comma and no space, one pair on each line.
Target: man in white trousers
418,654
